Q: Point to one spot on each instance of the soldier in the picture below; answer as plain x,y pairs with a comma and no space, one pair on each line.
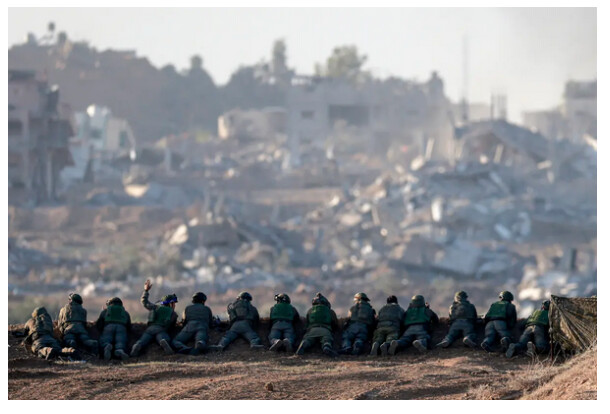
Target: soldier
72,322
321,323
161,319
197,320
500,319
283,318
39,332
114,323
360,322
536,328
389,322
419,320
244,319
462,320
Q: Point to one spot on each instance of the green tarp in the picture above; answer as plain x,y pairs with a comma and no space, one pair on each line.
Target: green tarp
573,322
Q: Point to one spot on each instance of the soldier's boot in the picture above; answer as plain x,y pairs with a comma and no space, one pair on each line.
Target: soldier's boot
393,347
374,349
108,352
288,345
328,350
167,348
420,344
257,346
217,348
505,342
358,345
383,348
71,343
443,344
199,348
276,345
469,342
119,353
302,348
185,350
346,348
511,351
485,346
135,350
531,349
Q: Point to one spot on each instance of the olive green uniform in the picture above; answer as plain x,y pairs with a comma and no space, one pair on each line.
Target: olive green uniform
360,322
72,321
39,334
321,322
114,323
161,319
197,319
389,322
243,317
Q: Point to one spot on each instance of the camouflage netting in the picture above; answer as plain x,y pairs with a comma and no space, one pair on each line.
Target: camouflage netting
573,322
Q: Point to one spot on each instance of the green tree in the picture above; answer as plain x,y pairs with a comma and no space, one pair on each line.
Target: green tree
344,63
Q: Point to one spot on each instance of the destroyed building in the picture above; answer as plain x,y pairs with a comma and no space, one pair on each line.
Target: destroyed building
39,128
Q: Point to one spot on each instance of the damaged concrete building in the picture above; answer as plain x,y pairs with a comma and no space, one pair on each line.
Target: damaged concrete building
39,128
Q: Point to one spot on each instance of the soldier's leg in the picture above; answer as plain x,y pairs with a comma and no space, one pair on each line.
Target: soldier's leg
228,337
275,337
253,338
422,338
347,338
120,342
181,339
359,340
69,340
106,340
505,336
470,334
490,336
327,344
403,342
201,340
454,332
305,344
541,339
141,343
164,340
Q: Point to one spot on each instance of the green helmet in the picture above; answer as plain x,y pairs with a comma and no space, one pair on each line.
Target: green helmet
461,295
506,295
167,299
245,296
199,297
114,301
546,304
75,297
418,300
282,298
361,296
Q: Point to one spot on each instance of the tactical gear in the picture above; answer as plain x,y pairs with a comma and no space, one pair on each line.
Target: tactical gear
161,316
282,298
276,345
320,316
75,297
461,295
245,296
383,348
288,345
416,315
392,299
116,314
469,342
167,299
241,309
511,351
443,344
362,312
108,352
375,348
546,305
74,312
114,301
393,347
538,317
43,324
462,309
390,315
197,312
166,347
119,353
418,300
420,345
199,297
361,296
506,295
531,350
282,311
319,299
497,310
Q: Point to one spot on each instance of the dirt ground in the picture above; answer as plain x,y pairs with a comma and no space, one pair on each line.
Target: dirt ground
240,373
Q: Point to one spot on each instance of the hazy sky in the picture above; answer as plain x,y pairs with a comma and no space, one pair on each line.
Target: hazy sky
526,53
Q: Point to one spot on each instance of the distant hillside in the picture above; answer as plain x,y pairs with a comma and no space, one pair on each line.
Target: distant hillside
156,102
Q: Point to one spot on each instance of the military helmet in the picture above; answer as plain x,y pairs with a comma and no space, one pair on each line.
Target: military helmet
319,299
418,300
282,298
506,295
75,297
199,297
167,299
461,295
361,296
546,304
114,301
392,299
39,311
245,296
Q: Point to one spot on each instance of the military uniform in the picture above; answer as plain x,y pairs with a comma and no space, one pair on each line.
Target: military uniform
462,320
418,321
389,322
321,322
114,323
499,320
360,322
197,319
161,318
535,338
72,321
39,334
243,317
283,318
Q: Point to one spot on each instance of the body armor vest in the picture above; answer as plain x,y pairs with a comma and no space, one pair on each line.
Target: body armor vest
320,316
75,313
462,310
390,315
282,311
198,312
241,308
416,315
116,314
362,312
538,317
161,316
497,310
43,325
